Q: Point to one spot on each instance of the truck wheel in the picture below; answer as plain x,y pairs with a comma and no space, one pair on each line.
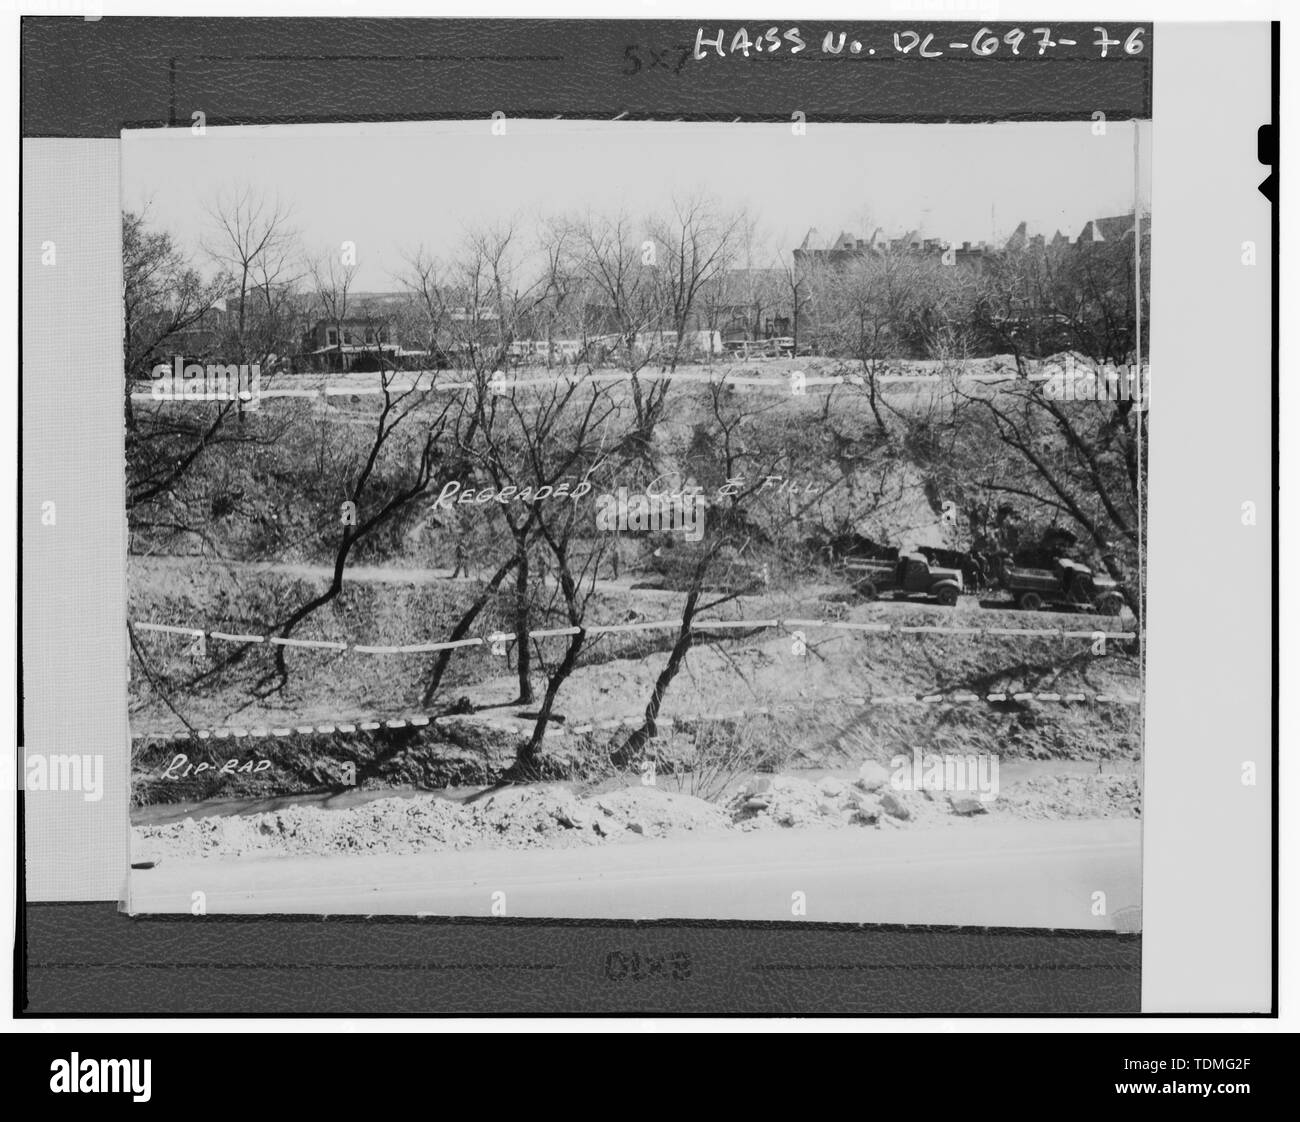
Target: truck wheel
866,589
947,596
1111,604
1030,602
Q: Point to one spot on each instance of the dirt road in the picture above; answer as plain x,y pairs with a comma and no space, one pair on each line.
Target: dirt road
1021,874
638,582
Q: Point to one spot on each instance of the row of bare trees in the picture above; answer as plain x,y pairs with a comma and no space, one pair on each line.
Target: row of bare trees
626,292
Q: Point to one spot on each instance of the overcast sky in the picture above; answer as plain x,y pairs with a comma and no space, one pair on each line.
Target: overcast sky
392,187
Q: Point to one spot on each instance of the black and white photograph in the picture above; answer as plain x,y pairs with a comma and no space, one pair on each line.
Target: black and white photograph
638,519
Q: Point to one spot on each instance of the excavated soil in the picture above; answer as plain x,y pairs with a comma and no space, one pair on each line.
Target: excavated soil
555,816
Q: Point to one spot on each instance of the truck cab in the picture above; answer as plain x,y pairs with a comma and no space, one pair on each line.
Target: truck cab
911,575
917,575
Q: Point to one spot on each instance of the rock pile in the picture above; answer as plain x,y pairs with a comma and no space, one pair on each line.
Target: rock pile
767,801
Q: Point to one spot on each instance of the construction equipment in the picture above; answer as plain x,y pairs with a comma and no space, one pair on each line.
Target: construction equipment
910,575
1068,584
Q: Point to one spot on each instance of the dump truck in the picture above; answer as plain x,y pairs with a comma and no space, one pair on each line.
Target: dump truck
910,575
1067,584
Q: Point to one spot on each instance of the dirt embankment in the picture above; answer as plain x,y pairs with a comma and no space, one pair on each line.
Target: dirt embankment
557,816
770,700
764,700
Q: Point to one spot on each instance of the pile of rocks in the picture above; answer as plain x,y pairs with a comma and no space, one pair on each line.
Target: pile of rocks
769,801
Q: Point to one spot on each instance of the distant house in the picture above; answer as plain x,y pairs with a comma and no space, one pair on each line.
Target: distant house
1021,239
847,247
351,343
359,331
1113,229
1095,231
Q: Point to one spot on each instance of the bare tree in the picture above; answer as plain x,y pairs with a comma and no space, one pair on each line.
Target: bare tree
252,242
367,516
733,469
696,242
163,295
170,306
333,278
801,277
538,448
1073,460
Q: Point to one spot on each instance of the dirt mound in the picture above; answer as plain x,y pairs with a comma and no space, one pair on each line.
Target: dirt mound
514,817
655,813
523,816
384,826
553,816
1072,796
